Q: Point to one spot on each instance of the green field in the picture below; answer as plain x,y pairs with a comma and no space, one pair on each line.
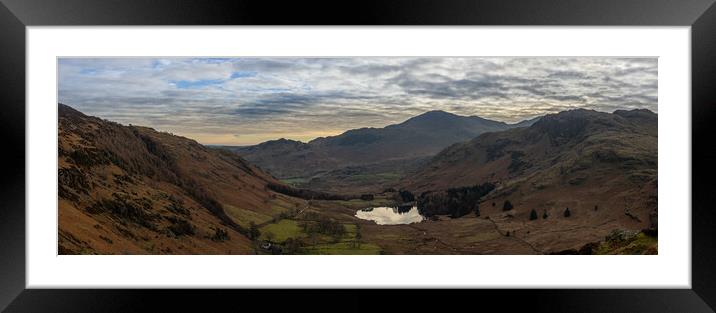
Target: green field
281,205
343,247
282,230
295,181
244,217
324,244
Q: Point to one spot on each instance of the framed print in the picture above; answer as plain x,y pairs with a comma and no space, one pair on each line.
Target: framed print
560,149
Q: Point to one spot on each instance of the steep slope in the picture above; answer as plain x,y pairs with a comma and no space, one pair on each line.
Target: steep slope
129,189
601,166
370,153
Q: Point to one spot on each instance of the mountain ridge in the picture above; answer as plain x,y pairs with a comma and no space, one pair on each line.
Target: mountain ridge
319,162
132,184
602,167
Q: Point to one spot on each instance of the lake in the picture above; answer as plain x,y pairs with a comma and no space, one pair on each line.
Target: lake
391,215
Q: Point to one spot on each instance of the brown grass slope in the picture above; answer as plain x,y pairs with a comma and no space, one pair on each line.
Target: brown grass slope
601,166
130,189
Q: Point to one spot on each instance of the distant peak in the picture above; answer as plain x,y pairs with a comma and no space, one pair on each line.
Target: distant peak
436,112
280,141
634,112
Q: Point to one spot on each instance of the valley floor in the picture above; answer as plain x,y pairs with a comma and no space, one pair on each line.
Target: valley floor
491,233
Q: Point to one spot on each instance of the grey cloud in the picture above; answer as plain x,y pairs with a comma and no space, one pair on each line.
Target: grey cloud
295,95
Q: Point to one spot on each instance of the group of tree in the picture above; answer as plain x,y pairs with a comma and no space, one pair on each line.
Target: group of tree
308,194
533,214
455,202
324,226
355,243
253,232
293,246
220,234
405,196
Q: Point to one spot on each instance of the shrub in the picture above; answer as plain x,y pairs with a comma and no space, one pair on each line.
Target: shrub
544,215
254,232
220,235
181,227
533,215
567,213
126,210
507,206
74,178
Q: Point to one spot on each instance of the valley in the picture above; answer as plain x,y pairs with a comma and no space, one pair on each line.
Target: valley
574,182
367,159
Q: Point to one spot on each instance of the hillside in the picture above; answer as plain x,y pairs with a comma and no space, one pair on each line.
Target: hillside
133,190
601,166
367,159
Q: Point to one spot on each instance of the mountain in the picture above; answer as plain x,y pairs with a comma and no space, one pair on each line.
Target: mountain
527,122
574,182
376,155
131,189
601,166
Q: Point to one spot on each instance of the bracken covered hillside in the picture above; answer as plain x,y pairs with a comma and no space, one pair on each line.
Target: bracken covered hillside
128,189
600,167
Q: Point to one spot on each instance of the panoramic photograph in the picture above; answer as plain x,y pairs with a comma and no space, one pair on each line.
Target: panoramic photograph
357,155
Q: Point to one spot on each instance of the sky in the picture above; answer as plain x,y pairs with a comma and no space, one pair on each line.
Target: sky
244,101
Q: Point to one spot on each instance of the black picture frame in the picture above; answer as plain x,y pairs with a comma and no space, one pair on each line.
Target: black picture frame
16,15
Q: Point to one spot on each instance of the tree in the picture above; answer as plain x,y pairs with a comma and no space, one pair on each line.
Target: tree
293,246
355,243
533,215
254,232
406,196
507,206
567,213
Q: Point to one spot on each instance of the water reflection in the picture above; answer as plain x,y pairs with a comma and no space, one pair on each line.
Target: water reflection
391,215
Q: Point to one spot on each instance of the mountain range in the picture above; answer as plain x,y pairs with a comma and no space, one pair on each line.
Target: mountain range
560,183
366,158
601,167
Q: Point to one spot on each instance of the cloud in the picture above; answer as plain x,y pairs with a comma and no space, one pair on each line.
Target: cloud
248,99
